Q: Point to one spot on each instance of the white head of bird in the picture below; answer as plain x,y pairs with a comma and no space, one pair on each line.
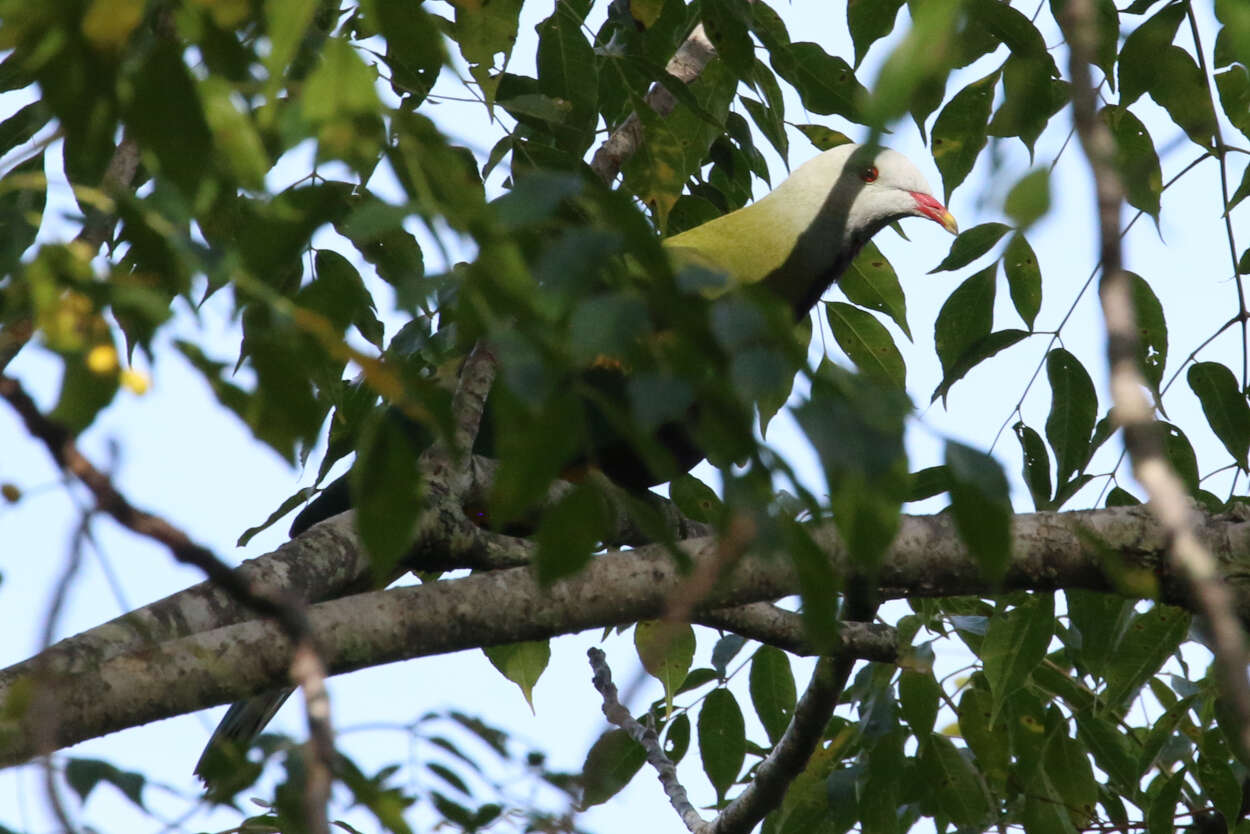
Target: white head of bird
803,235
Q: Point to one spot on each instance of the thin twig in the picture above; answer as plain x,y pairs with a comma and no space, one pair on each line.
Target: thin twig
666,771
1142,435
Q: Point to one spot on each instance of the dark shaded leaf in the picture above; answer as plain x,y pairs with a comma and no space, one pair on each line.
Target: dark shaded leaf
772,690
695,499
1015,643
1136,159
23,195
83,775
1073,411
386,491
1138,65
868,21
866,342
965,317
981,504
960,130
870,281
725,650
722,739
725,22
1224,405
980,351
610,764
1234,87
1181,88
1152,333
971,244
826,84
1036,467
1024,278
918,695
954,785
1149,639
928,482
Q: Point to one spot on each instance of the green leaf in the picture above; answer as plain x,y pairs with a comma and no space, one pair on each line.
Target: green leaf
928,482
677,737
1013,28
610,764
1036,465
981,504
568,72
1181,88
954,785
23,195
866,342
823,138
1152,333
870,281
1029,199
970,245
1031,97
1098,621
521,663
770,123
163,95
1110,748
980,351
772,690
1234,87
1073,412
1181,455
666,651
868,21
1149,639
1024,278
484,30
965,317
83,775
1162,811
1062,791
695,499
722,739
386,492
1138,64
960,130
22,125
725,22
826,84
918,694
1136,158
414,46
1224,405
339,294
569,533
1215,774
1015,643
988,740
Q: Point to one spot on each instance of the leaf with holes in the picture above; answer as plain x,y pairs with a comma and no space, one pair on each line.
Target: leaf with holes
1073,412
1224,405
866,342
871,282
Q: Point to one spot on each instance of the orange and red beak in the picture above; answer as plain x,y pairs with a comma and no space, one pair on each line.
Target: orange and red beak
927,206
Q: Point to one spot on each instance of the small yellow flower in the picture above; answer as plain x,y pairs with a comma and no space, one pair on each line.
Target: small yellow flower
102,359
136,381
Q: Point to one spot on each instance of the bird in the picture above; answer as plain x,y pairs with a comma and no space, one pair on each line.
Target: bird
796,241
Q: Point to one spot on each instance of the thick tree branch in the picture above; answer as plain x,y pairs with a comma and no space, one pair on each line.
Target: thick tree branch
1051,551
766,623
1143,436
792,751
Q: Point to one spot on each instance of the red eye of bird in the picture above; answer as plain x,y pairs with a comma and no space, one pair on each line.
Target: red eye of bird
869,174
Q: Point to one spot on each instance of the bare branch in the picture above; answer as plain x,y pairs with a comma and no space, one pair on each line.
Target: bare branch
1142,434
666,771
686,65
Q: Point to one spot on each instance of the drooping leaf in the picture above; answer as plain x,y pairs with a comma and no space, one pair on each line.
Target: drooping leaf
610,764
965,317
826,84
1073,411
726,22
1036,468
1234,87
870,281
83,775
954,785
974,355
960,130
1136,159
1224,405
1138,66
918,696
722,739
1024,278
1180,87
868,21
981,504
1149,639
666,651
772,690
1029,199
521,663
866,342
1015,643
1152,333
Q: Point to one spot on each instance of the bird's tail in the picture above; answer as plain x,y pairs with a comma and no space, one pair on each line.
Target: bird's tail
226,752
